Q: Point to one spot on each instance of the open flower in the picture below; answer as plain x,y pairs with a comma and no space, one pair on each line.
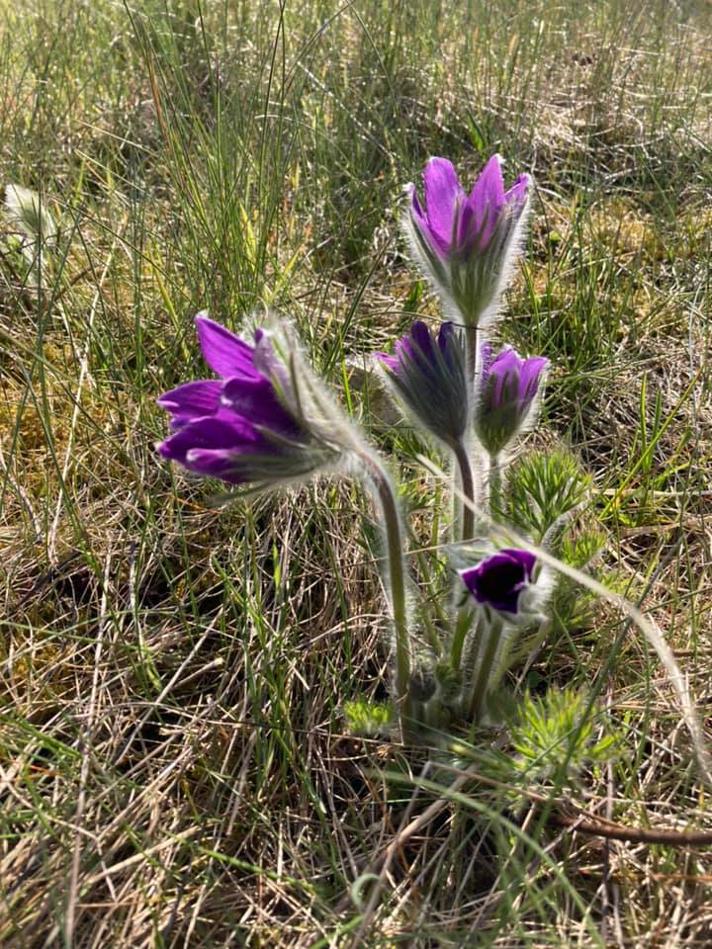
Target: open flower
249,425
428,372
499,580
507,392
467,243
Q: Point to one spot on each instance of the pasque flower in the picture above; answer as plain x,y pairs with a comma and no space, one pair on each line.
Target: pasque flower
508,388
267,421
467,243
249,425
510,589
499,580
428,372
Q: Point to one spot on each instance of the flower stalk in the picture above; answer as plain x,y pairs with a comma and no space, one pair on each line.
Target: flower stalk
396,578
463,624
473,353
491,632
495,486
468,486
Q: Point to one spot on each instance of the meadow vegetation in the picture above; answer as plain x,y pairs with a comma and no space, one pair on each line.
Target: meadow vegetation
175,769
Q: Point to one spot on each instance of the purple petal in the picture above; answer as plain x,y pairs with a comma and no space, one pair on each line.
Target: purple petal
507,601
496,582
530,376
225,353
441,191
392,362
505,371
219,432
524,557
418,346
192,400
499,580
470,577
488,190
404,349
519,192
257,401
486,359
266,361
416,209
420,334
218,463
486,200
421,224
446,335
468,226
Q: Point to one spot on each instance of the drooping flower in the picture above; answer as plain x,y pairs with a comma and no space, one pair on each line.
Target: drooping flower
467,243
499,580
508,388
249,425
428,372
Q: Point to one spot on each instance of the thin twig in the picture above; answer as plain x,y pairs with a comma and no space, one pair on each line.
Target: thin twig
600,827
586,823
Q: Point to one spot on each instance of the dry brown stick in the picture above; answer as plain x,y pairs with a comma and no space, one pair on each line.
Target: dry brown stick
599,827
586,823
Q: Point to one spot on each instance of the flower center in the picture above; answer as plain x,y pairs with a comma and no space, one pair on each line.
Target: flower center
500,580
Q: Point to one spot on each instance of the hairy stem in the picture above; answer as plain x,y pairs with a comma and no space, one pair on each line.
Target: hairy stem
492,633
495,486
473,355
397,583
463,623
467,483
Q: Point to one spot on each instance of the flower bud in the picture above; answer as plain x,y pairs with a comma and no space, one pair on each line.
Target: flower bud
467,243
428,372
423,684
508,388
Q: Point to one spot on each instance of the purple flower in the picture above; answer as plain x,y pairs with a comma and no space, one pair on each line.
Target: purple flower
245,426
499,580
467,242
507,390
428,372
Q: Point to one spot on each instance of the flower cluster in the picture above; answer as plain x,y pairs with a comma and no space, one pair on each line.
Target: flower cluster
474,400
265,421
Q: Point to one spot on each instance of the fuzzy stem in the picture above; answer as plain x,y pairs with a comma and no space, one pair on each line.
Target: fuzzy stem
467,483
492,633
397,583
463,618
495,486
470,459
463,623
473,355
503,660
